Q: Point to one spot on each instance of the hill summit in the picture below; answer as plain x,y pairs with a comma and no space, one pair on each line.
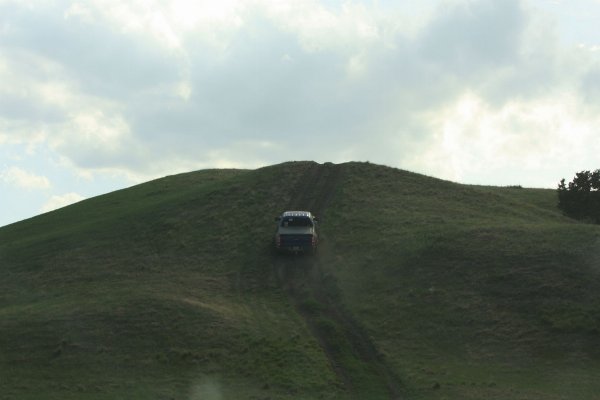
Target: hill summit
421,289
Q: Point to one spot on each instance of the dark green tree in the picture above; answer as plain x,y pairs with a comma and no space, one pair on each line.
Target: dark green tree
580,198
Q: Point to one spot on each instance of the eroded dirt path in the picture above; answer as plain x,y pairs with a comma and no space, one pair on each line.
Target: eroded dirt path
314,292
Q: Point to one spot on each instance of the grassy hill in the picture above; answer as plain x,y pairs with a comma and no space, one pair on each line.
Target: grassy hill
422,289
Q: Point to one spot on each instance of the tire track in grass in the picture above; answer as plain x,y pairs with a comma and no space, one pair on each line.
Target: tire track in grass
352,355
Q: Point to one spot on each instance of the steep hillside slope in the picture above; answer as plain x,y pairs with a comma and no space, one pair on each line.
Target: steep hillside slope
164,290
469,292
422,289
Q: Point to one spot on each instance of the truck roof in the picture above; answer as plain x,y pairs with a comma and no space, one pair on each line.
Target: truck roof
305,214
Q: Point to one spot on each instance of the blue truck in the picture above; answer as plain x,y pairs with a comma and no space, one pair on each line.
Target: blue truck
296,232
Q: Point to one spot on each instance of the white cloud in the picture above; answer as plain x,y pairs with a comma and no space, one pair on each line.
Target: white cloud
167,23
518,141
94,130
319,28
64,200
20,178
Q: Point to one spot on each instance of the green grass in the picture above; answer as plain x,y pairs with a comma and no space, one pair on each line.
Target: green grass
167,290
144,292
488,292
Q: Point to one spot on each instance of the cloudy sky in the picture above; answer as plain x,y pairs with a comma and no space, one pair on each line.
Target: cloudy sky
99,95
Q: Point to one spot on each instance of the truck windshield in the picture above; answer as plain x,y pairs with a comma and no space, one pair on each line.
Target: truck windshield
290,222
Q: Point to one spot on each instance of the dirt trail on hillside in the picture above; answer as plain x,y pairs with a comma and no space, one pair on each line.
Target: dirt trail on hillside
315,295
